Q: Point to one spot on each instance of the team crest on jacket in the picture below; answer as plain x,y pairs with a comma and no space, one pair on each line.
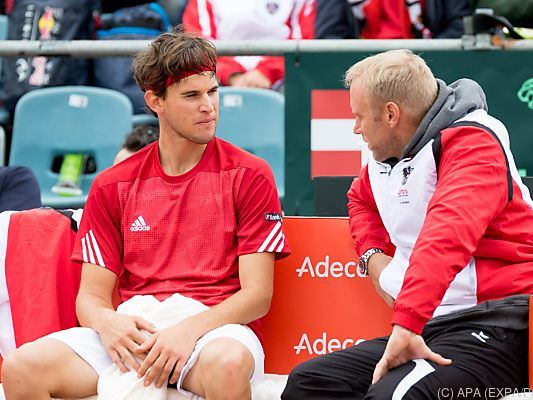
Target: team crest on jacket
273,217
272,7
406,173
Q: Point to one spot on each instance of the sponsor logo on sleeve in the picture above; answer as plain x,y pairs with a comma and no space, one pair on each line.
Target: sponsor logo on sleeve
273,217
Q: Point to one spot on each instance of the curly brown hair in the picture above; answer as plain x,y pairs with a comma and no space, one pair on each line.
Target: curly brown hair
172,54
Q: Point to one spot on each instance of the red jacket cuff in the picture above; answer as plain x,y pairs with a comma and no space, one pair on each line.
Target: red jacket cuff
408,320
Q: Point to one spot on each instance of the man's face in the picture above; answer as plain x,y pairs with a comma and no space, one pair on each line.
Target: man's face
371,122
190,108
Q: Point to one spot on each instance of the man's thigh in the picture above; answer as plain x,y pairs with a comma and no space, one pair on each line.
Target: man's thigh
486,361
241,336
344,374
86,343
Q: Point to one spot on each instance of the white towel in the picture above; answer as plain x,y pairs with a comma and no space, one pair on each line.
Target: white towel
115,385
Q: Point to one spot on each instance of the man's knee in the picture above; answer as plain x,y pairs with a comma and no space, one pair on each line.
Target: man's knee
228,359
20,366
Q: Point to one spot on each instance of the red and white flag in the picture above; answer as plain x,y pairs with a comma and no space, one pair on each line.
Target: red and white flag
335,149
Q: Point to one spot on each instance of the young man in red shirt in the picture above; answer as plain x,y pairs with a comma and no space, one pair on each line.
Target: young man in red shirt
189,214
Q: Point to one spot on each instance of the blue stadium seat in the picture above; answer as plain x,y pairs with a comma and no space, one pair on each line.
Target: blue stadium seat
254,119
4,115
55,121
144,119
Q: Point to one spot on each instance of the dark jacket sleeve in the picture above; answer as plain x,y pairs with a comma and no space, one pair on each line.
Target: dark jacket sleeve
19,189
334,20
444,18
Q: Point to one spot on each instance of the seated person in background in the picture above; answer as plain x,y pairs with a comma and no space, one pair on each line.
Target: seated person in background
251,20
141,136
410,19
188,215
19,190
442,186
335,20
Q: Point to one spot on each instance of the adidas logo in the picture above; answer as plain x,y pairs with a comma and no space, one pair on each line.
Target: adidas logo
139,225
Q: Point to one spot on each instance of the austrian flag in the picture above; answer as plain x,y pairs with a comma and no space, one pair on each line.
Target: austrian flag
335,149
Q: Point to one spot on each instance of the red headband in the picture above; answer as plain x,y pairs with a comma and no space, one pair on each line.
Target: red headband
171,79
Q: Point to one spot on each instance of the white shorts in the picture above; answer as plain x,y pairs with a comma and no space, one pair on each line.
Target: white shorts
87,344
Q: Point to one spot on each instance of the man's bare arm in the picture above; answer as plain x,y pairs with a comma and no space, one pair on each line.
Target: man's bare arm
174,345
376,265
120,334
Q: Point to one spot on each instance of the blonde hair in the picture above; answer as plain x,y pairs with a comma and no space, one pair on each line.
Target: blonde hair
399,76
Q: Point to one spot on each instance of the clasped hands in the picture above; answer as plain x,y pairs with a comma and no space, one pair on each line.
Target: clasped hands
155,354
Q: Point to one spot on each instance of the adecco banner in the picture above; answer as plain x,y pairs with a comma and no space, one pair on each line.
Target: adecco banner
320,302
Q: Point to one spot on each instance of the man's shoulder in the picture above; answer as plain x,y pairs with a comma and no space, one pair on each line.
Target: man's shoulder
232,156
127,170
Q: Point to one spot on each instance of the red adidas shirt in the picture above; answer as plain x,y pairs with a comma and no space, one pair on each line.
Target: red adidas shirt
181,234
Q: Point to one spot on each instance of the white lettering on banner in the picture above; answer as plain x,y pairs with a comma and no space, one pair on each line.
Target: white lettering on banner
323,269
322,345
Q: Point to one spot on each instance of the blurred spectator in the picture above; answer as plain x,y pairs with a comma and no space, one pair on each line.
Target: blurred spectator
407,19
109,6
334,20
6,6
46,21
174,8
19,189
139,137
140,22
251,20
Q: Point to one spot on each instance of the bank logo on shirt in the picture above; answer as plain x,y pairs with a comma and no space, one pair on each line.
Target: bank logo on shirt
273,217
139,225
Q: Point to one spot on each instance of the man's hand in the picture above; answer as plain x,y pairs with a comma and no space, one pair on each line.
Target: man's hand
253,79
167,349
403,346
376,265
121,336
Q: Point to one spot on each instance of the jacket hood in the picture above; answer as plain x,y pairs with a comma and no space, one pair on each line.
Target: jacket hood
453,102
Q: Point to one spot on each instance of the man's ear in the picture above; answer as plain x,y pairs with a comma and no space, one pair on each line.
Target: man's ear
153,101
393,114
